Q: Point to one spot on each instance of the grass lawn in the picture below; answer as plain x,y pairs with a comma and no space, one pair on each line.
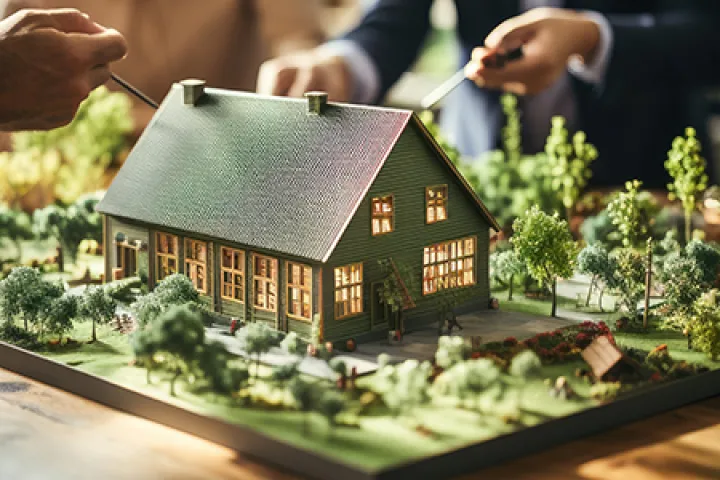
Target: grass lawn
542,307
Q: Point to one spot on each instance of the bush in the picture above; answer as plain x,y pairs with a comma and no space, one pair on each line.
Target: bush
605,391
122,290
19,337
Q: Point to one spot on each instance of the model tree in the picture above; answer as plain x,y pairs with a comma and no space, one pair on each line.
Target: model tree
258,339
594,260
16,227
69,226
144,347
176,289
468,380
508,266
24,292
687,168
60,315
628,279
330,404
569,163
704,325
451,350
405,386
303,393
97,306
707,257
395,291
524,366
626,215
688,273
179,334
220,369
545,244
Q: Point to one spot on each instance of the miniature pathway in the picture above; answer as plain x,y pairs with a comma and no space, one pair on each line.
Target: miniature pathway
277,356
491,325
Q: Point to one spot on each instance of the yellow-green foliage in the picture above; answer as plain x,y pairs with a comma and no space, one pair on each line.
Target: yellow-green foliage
704,325
69,161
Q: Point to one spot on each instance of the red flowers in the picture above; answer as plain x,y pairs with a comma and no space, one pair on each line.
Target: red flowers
510,342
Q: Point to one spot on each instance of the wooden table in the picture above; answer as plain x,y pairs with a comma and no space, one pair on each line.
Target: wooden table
49,434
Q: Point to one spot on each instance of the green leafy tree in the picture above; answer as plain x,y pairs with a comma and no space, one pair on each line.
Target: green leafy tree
707,257
594,260
304,395
628,278
704,325
508,265
63,310
258,339
174,290
15,226
24,292
404,386
282,374
628,215
221,369
569,163
179,334
144,347
97,306
468,380
69,226
525,366
330,404
293,344
545,244
686,166
600,229
451,350
683,282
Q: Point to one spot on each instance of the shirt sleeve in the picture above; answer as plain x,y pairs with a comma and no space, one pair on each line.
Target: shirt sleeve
363,71
594,73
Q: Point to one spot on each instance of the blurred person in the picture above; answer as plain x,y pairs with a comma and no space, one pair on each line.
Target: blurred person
629,73
221,41
50,62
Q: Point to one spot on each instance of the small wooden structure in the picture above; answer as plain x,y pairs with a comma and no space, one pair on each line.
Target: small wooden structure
606,360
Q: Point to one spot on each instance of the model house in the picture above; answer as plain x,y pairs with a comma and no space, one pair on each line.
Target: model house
279,211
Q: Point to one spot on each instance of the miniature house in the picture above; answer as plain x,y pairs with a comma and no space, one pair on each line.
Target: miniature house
606,360
279,211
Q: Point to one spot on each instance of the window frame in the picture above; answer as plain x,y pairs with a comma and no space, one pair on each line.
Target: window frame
233,272
165,256
303,290
193,264
451,268
435,207
352,287
268,281
382,215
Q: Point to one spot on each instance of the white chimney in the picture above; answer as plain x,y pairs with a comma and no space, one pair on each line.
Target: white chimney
193,89
316,102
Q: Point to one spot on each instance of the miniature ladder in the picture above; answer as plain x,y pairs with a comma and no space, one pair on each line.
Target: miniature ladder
408,300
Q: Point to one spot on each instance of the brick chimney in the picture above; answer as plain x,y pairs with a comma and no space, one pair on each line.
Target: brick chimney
316,102
192,90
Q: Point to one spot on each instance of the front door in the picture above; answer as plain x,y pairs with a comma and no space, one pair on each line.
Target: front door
379,310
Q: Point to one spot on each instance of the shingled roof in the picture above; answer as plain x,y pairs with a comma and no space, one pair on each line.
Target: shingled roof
257,171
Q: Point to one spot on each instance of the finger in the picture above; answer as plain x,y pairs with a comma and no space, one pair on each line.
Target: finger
512,33
308,79
100,48
70,20
275,79
98,76
520,71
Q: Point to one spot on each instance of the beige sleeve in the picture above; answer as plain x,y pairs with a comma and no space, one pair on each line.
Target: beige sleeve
290,25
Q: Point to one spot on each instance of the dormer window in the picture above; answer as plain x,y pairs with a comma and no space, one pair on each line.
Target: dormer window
383,215
436,203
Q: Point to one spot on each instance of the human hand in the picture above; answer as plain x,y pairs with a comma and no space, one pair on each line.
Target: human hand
293,75
51,60
549,38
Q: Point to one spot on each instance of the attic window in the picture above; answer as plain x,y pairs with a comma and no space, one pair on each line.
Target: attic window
436,203
196,264
383,215
166,251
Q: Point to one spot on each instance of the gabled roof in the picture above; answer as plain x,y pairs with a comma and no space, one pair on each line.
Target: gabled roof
602,355
256,170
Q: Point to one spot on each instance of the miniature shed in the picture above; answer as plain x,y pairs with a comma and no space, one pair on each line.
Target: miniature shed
606,360
280,210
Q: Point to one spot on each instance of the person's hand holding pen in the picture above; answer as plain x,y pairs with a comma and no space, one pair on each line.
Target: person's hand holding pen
50,61
549,37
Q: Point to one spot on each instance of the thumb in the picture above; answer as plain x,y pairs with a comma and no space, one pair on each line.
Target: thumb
512,33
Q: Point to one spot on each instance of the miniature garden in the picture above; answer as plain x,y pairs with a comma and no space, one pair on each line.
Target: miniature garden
645,288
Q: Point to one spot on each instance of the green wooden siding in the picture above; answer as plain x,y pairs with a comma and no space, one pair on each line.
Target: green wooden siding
411,167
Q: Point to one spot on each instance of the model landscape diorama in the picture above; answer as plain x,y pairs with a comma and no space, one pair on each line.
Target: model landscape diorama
259,252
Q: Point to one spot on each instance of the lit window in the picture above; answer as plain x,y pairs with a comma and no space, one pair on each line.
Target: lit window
166,252
265,283
436,204
233,274
383,214
449,265
196,264
348,290
299,291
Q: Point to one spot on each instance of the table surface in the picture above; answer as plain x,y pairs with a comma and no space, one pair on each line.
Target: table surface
46,433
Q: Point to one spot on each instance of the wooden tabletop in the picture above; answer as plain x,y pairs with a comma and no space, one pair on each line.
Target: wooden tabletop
49,434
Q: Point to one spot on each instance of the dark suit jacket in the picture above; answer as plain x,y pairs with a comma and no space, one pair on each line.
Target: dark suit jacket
665,53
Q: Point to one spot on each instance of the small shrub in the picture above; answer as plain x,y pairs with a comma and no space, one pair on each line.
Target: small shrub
605,391
19,337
